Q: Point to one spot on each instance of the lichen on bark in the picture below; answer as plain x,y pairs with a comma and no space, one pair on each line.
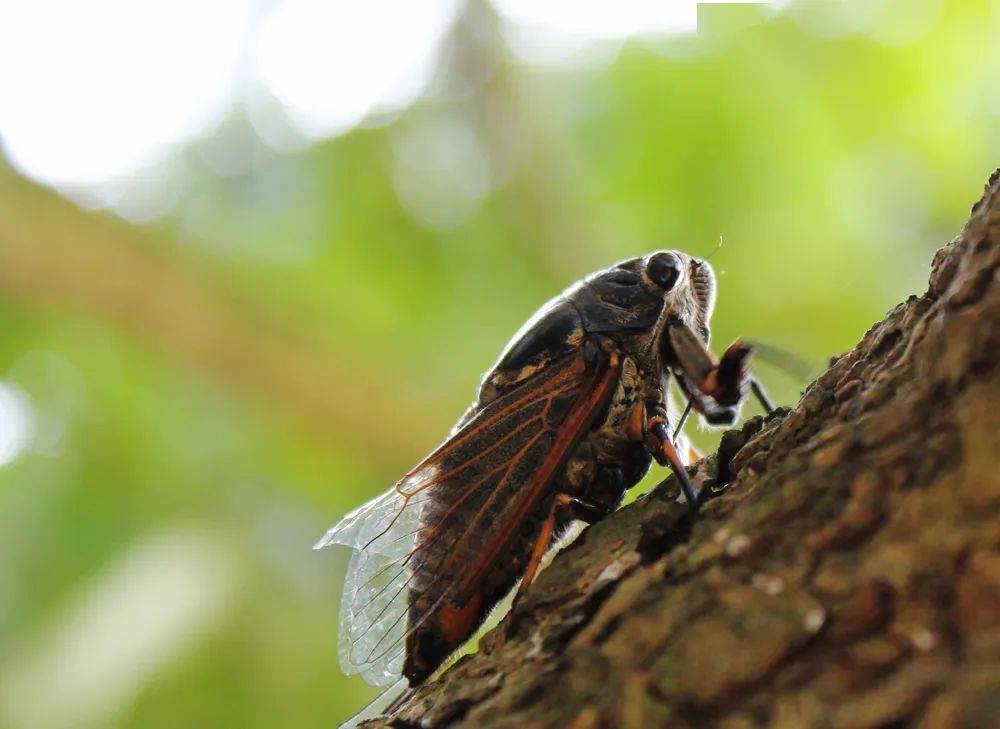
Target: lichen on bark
848,576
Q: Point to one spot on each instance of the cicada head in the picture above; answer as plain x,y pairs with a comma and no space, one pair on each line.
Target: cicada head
686,286
637,299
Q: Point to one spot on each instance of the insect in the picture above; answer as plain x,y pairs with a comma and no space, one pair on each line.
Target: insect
569,418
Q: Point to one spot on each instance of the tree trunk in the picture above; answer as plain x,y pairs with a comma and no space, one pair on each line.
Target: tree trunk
848,576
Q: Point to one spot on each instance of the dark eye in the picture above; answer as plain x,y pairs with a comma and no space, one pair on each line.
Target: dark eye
663,270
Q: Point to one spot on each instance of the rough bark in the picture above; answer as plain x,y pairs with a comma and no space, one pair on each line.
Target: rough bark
849,576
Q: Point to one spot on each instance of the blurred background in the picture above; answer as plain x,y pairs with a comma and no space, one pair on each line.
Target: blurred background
255,255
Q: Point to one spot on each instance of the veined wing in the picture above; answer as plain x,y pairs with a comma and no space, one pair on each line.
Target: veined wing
431,536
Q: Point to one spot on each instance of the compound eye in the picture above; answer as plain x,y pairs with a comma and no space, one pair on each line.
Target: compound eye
663,270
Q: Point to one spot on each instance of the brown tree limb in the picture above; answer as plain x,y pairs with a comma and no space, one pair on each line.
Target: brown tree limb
849,576
55,256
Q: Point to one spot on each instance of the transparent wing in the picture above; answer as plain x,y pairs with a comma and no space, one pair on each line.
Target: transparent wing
434,531
382,533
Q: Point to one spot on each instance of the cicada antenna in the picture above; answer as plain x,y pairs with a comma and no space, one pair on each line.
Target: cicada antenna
706,259
718,247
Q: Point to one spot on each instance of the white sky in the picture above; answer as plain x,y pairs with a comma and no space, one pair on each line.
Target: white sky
96,89
93,93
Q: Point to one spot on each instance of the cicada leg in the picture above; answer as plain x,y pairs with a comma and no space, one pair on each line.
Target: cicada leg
731,373
562,505
662,449
724,382
761,394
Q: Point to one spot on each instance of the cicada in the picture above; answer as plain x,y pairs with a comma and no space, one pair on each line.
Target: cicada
570,417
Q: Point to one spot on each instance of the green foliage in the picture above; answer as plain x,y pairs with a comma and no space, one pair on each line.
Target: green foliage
830,165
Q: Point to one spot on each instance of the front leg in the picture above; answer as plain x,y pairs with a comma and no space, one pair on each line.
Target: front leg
724,381
716,389
711,411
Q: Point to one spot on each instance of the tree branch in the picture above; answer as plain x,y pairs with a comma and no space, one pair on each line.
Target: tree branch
54,255
849,575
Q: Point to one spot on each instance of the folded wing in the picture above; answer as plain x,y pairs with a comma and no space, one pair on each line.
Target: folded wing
430,538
